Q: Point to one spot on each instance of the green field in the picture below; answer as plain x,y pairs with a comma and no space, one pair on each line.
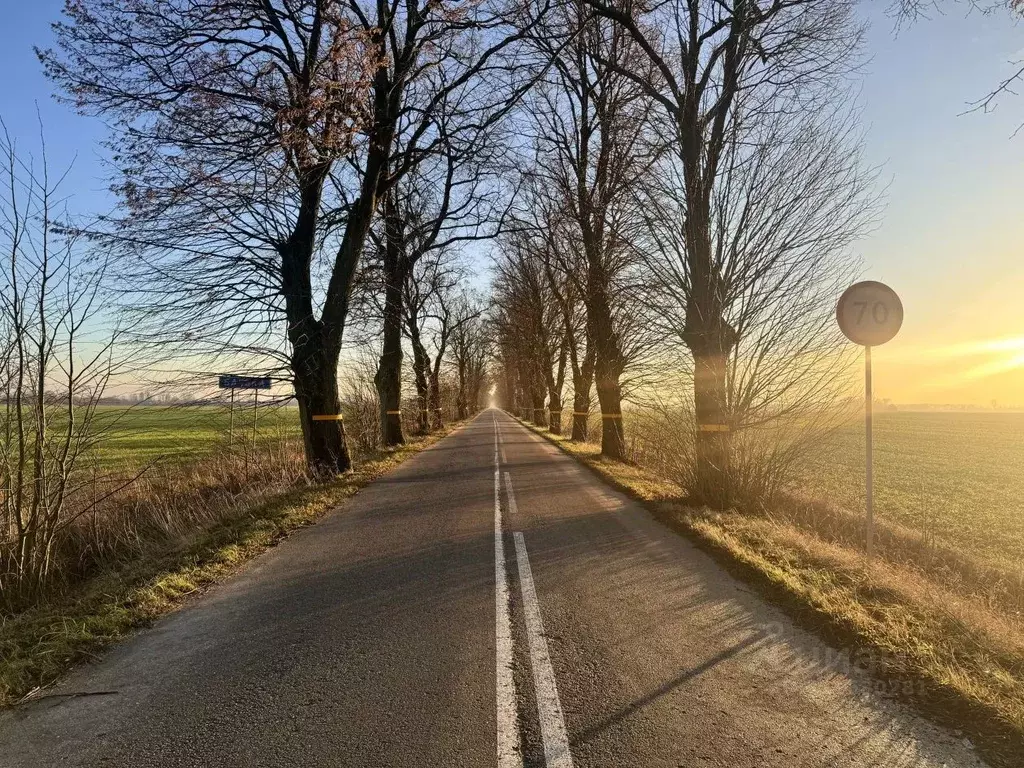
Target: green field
151,433
957,476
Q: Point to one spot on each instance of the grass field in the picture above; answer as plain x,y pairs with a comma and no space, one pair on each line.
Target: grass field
144,434
956,476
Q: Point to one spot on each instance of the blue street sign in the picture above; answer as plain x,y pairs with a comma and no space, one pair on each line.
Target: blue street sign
244,382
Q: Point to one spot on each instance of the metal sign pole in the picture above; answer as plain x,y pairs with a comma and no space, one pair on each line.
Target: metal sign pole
255,383
867,433
255,406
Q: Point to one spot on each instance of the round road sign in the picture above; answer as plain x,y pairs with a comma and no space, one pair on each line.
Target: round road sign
869,313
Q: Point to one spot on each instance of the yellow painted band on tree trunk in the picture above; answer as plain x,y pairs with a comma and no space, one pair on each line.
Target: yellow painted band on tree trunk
393,413
713,427
581,413
611,415
554,412
328,417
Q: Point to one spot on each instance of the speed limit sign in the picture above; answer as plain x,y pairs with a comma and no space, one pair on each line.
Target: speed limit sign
870,313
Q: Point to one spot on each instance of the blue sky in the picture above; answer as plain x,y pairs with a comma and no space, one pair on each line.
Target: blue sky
71,140
952,238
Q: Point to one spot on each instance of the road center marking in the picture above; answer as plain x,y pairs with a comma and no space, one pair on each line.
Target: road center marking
507,714
549,707
501,442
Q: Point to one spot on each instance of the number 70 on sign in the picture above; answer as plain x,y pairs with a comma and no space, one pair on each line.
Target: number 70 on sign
870,313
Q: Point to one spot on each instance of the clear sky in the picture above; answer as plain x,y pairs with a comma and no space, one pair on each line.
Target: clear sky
952,238
70,139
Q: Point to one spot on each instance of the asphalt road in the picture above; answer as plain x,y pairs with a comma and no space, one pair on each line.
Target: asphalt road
439,621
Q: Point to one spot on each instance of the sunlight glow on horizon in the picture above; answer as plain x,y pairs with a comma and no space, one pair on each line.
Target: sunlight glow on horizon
975,348
957,368
987,369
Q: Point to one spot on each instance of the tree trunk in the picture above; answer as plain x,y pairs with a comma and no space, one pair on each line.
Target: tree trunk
422,398
316,344
511,397
524,400
609,395
607,364
436,414
474,394
420,368
316,389
713,437
388,378
710,339
554,412
539,414
582,381
555,391
461,400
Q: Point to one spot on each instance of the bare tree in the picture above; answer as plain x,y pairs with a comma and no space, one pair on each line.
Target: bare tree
592,134
427,285
563,261
416,295
727,75
504,358
449,200
469,353
254,142
535,319
440,331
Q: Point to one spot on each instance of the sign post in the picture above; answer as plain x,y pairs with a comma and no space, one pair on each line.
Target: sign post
231,420
255,412
869,313
869,467
243,382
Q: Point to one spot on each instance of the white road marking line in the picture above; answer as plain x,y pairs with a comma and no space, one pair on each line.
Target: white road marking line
549,707
501,441
507,713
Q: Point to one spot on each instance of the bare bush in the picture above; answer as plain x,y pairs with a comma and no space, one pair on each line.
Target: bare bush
55,366
172,502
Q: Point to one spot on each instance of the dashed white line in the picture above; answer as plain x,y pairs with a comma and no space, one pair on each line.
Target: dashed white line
509,755
549,706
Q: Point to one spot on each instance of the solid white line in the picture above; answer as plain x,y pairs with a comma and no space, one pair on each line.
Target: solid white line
504,459
549,707
507,714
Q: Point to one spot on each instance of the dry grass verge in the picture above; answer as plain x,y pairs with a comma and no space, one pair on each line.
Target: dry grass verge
40,644
927,629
